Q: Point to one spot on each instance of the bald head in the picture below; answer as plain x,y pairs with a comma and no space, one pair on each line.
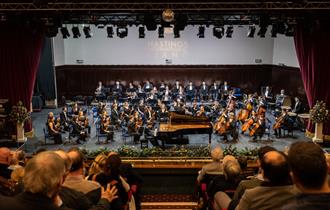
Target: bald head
77,160
65,157
5,155
276,168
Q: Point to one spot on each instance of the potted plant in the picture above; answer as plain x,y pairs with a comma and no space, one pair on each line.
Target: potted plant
318,115
19,115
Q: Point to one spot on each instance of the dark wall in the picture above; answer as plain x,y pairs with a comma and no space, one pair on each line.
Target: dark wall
82,79
45,82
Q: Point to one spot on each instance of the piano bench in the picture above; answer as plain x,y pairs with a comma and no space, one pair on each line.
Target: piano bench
144,143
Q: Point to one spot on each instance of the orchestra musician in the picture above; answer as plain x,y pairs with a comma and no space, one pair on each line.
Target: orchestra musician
64,118
201,111
52,130
297,106
224,90
166,96
99,92
282,121
267,94
125,112
78,129
190,91
258,128
230,128
162,87
249,122
115,117
280,98
203,92
83,121
75,109
162,114
135,126
214,90
130,90
147,86
176,87
107,128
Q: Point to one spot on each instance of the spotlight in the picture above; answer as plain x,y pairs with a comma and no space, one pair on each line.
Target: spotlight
176,32
218,31
201,31
229,32
141,32
122,32
273,32
262,31
160,32
289,30
252,31
65,32
75,32
87,32
110,31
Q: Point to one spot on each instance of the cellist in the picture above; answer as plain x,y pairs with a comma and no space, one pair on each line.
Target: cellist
249,122
258,128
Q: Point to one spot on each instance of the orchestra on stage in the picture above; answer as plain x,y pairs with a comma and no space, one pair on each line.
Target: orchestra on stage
145,109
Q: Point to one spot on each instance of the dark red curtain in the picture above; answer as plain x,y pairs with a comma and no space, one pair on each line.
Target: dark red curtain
312,41
20,49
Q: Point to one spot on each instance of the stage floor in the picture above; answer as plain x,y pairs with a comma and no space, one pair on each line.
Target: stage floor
39,119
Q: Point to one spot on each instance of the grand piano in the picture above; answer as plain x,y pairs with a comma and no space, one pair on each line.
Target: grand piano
180,124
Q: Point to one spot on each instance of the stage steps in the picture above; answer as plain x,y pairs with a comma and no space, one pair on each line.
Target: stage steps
169,201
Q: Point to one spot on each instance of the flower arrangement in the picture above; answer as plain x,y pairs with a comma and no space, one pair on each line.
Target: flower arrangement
19,113
319,112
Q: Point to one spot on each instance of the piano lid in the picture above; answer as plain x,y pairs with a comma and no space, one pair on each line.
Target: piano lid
187,119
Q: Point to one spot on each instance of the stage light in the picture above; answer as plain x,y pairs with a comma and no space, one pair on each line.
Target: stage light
75,32
273,32
65,32
201,31
122,32
289,30
87,32
229,31
262,31
160,32
218,31
141,32
252,31
110,31
176,32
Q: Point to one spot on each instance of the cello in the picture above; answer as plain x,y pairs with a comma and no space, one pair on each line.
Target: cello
249,122
221,126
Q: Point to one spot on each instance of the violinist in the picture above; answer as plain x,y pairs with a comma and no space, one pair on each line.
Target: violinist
83,121
52,130
162,114
107,128
125,112
115,117
78,129
135,126
201,112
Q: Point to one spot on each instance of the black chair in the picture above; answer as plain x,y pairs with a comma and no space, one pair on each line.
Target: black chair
47,135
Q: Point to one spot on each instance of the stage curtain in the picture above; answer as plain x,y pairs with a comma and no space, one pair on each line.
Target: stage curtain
312,46
20,50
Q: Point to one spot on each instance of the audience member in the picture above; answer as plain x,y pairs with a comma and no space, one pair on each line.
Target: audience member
309,175
75,179
42,181
213,168
276,190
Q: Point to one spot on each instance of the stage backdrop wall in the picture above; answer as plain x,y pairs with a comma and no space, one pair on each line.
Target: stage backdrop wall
75,80
186,50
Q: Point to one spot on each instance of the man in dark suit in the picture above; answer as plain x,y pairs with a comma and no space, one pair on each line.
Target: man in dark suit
214,90
64,118
147,87
203,91
190,91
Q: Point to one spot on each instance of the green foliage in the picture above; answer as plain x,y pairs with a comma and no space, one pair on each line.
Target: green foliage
176,151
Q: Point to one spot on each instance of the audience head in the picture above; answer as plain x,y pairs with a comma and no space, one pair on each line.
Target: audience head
5,155
98,164
64,109
44,174
231,168
263,150
77,159
217,154
308,166
275,168
66,158
112,165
